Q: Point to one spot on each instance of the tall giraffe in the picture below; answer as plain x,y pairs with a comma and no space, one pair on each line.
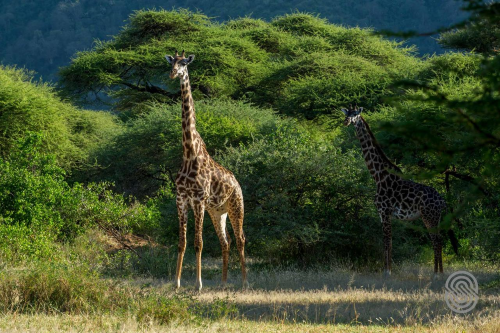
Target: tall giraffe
398,197
204,184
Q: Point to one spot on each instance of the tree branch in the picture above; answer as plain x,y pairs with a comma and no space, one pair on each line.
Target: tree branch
477,128
466,178
148,88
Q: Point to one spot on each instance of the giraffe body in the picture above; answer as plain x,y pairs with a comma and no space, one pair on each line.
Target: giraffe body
397,197
203,184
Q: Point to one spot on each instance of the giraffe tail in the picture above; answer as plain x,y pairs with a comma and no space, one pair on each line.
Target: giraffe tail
453,240
451,234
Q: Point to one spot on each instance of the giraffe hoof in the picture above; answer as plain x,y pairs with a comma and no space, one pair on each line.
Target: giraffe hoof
387,274
198,286
246,285
437,277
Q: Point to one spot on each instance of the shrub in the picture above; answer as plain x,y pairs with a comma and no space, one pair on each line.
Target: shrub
148,153
69,134
38,207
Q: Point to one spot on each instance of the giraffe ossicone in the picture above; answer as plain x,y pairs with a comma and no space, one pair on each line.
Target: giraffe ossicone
398,197
203,184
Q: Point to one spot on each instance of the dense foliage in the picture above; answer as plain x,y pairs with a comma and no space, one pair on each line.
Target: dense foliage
32,106
38,207
481,37
148,153
267,96
480,33
44,36
460,101
298,63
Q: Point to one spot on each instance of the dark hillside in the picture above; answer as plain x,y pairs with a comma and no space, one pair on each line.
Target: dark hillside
44,35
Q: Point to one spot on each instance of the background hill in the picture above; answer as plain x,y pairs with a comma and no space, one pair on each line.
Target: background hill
44,36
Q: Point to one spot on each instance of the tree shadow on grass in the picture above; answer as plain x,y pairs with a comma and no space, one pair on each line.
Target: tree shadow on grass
370,312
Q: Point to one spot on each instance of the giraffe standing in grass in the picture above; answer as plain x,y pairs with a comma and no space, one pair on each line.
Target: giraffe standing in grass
398,197
203,184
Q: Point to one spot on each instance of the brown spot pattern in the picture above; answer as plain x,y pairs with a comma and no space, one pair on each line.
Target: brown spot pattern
203,184
398,197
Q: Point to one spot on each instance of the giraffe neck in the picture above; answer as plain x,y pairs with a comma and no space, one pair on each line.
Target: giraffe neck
375,159
191,140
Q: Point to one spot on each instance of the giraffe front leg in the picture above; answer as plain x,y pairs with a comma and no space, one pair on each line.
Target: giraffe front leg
182,210
386,227
199,212
432,223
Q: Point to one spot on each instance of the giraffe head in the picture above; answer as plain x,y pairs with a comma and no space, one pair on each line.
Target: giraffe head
352,115
179,64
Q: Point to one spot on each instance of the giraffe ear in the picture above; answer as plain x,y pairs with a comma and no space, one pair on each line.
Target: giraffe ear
358,111
345,111
189,59
170,59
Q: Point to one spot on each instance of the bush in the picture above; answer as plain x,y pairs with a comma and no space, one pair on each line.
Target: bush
301,197
68,133
148,154
38,207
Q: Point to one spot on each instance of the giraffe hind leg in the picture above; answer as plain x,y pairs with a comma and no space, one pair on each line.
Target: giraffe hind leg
236,212
386,227
219,220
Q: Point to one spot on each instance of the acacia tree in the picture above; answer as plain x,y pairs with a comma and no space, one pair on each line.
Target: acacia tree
298,64
480,33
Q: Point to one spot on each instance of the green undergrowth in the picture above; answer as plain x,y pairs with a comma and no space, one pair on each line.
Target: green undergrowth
39,209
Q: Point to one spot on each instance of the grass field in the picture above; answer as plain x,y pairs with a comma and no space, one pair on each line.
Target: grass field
279,300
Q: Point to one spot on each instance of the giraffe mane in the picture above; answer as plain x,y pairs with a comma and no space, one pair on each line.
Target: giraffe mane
379,149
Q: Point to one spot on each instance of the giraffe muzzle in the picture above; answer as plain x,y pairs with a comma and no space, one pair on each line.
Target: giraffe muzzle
173,74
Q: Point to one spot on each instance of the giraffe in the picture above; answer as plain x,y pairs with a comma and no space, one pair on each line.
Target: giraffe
203,184
398,197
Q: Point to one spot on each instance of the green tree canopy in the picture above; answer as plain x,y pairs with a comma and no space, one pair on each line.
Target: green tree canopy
481,36
298,63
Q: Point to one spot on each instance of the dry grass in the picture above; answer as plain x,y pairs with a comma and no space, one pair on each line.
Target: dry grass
341,296
334,300
107,323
